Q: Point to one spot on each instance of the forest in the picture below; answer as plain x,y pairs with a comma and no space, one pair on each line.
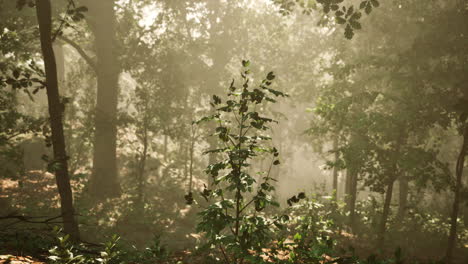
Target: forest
233,131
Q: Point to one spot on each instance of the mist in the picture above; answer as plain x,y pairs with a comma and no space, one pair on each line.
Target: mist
202,131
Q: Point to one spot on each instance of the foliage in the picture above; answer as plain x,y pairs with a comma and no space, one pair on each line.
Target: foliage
346,15
233,221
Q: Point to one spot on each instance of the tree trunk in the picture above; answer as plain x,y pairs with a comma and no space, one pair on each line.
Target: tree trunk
385,214
403,199
456,202
192,148
44,18
104,181
351,194
142,167
335,169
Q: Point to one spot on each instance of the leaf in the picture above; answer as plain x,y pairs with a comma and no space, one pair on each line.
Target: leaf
297,237
216,100
355,24
270,76
350,11
375,3
363,4
16,73
81,9
301,195
340,20
245,63
349,33
356,16
368,8
276,162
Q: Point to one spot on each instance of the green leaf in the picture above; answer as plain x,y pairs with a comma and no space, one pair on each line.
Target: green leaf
16,73
81,9
363,4
349,33
297,237
216,100
355,24
340,20
356,16
368,9
270,76
245,63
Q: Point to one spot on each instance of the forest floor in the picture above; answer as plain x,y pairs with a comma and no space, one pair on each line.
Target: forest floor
23,193
9,259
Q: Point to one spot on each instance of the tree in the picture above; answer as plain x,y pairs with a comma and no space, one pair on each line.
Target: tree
104,179
56,108
233,221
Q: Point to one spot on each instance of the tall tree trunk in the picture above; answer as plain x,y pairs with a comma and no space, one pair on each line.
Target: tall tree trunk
403,197
456,202
192,148
394,173
351,194
385,213
44,18
104,181
142,167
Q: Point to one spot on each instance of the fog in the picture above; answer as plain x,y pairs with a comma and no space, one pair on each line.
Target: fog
252,131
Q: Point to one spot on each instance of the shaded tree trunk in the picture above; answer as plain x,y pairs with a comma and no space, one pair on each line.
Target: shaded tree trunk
351,194
385,213
335,169
394,173
142,167
403,197
452,239
56,108
104,180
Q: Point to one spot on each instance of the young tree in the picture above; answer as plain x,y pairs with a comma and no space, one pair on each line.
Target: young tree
56,108
234,221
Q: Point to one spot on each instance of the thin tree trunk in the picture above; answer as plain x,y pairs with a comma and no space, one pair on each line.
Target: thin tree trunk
192,147
335,169
456,202
185,149
385,214
351,194
389,193
44,18
142,167
104,181
211,156
403,198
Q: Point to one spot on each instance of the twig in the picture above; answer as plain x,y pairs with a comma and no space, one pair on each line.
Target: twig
224,254
82,53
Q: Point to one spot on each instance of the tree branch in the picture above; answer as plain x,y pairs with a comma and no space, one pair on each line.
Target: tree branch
82,53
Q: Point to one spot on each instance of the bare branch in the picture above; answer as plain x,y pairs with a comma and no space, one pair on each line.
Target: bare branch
82,53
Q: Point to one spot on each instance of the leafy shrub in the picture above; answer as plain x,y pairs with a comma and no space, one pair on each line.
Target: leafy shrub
235,221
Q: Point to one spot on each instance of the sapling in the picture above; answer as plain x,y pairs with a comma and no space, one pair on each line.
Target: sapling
234,221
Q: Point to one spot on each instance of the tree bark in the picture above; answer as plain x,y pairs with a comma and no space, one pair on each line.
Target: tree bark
104,180
335,169
452,239
56,108
385,214
142,166
403,198
351,194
